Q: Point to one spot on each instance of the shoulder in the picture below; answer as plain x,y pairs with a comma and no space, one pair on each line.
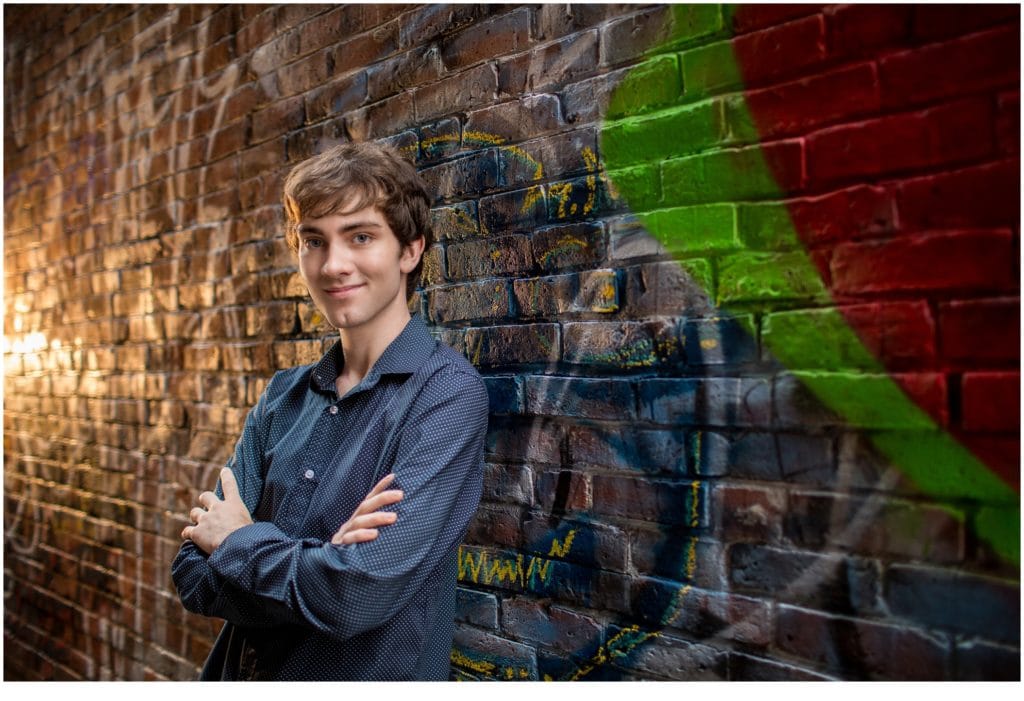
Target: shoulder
448,375
287,384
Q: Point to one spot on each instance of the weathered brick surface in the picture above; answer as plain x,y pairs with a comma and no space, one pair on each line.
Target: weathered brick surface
742,281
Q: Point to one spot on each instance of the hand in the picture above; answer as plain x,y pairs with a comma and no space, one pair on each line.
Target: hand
217,518
363,524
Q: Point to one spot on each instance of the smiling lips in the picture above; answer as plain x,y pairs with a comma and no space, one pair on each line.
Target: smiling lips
343,291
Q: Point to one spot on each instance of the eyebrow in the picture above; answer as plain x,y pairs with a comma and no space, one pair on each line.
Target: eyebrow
310,229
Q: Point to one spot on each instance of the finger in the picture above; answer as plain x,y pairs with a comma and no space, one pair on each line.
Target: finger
186,533
362,535
382,485
195,514
207,499
378,518
392,496
229,485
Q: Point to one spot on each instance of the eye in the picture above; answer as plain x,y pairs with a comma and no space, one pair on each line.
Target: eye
312,242
362,239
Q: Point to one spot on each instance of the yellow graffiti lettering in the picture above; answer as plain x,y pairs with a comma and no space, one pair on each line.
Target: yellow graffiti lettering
468,567
482,137
562,549
694,504
481,666
618,646
708,343
504,570
563,191
532,195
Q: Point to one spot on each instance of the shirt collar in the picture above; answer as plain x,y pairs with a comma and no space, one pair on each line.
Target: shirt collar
403,356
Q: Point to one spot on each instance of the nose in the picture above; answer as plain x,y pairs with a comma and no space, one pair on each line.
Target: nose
337,261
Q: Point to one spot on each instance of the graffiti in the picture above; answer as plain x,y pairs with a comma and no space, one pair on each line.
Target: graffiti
480,566
834,338
692,362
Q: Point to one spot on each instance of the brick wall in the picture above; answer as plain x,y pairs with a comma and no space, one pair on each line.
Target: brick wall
744,287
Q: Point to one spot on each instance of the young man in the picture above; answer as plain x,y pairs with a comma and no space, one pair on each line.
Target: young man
288,550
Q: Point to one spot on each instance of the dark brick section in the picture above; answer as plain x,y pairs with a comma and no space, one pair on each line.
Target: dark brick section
742,284
958,602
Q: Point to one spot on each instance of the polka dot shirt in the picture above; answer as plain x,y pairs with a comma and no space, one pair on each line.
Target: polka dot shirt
301,608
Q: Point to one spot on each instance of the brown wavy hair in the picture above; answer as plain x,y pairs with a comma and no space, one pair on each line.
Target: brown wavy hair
349,177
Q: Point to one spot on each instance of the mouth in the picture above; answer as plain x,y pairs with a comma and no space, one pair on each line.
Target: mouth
342,291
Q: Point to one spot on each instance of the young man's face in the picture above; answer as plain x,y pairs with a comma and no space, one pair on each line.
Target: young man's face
355,267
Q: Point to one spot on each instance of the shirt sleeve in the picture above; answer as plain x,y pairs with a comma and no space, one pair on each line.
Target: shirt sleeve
342,591
202,590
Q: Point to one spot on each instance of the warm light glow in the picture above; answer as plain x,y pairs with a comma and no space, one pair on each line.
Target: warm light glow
32,343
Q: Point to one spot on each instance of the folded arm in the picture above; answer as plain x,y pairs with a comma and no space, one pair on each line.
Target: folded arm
344,590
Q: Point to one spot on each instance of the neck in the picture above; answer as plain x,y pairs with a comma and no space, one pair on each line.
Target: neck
363,345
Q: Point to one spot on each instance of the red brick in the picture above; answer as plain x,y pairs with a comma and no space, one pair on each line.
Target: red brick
931,22
985,195
748,18
748,513
784,50
528,117
969,65
550,66
416,67
475,259
861,649
279,118
365,49
945,135
433,20
900,334
960,260
495,36
513,345
980,331
865,30
1008,123
467,90
468,302
390,116
991,401
306,73
798,106
627,345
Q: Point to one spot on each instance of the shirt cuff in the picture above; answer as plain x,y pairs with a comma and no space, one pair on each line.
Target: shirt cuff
232,560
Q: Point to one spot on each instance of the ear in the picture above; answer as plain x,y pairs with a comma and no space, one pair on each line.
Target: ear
411,254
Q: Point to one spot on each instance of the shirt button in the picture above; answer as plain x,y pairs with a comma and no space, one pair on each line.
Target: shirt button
333,409
310,474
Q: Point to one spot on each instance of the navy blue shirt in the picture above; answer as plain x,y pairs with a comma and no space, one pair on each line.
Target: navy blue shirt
301,608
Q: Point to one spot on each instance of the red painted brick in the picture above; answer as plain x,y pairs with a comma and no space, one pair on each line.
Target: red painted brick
865,30
985,195
748,18
931,22
798,106
900,334
980,331
991,401
1008,123
781,51
951,261
969,65
946,135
